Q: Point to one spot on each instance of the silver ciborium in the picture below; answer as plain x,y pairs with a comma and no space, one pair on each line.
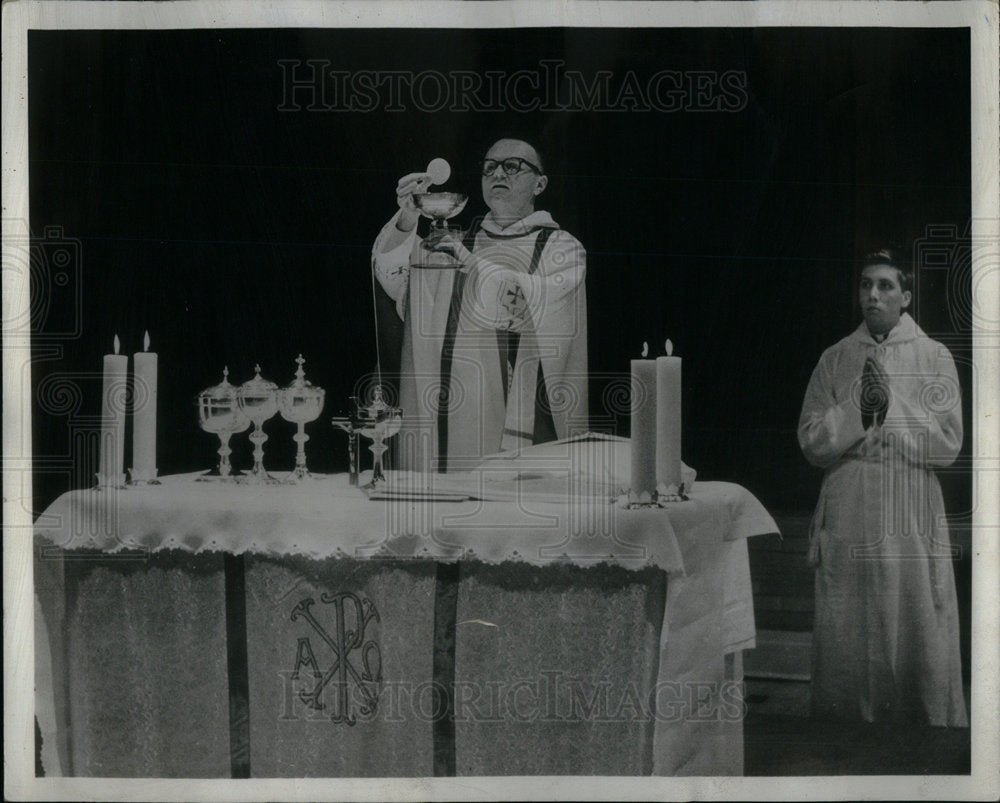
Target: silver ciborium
219,413
439,207
258,399
378,422
300,403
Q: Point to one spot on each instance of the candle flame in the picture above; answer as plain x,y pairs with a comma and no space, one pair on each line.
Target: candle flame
118,344
145,341
645,348
669,347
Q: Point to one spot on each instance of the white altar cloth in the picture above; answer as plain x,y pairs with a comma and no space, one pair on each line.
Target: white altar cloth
327,517
700,543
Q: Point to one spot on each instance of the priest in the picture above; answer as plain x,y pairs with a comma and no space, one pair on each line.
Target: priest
494,353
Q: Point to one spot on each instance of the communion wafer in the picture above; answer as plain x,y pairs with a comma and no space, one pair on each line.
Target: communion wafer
439,171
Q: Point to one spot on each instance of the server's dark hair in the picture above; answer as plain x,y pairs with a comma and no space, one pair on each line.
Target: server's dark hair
894,257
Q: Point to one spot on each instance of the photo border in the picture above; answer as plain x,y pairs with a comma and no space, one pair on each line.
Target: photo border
980,16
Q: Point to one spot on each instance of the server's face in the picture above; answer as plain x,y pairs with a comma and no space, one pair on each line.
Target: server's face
882,298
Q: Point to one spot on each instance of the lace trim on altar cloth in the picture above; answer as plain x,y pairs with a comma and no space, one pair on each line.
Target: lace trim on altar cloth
546,504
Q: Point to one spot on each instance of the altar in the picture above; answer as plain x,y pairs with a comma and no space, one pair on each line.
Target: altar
199,629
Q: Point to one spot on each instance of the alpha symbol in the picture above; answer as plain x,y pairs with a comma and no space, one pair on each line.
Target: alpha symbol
304,657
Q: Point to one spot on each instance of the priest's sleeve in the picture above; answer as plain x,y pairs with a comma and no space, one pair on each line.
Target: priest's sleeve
392,265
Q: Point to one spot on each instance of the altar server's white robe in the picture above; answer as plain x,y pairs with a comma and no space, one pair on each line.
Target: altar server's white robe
461,397
886,639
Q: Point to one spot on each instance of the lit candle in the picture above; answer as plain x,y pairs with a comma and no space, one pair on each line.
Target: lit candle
668,418
113,394
643,425
144,432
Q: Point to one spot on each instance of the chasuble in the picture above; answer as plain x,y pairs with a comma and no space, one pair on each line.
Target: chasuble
493,358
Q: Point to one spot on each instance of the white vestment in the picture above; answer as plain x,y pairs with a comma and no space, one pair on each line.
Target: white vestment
886,642
487,356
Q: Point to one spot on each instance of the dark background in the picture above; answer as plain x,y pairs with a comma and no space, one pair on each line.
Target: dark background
236,233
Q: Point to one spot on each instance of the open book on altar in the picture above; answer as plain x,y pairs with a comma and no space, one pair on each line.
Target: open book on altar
590,465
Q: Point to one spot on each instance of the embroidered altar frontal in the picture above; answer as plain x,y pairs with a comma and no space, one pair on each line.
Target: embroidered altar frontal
190,631
352,668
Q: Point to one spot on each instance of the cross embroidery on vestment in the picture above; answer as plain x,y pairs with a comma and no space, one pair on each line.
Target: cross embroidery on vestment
513,303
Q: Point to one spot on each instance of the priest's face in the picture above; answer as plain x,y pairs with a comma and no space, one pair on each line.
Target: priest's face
512,179
882,298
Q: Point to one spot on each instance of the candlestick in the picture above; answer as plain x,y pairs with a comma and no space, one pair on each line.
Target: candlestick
643,425
144,431
668,419
114,389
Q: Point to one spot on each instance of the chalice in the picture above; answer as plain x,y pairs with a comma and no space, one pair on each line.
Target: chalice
258,400
300,403
219,413
439,207
378,422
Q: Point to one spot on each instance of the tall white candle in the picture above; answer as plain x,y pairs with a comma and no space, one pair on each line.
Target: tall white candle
643,425
113,392
144,431
668,418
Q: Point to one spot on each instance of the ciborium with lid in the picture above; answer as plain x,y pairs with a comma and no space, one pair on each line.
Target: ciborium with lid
220,413
258,399
300,403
